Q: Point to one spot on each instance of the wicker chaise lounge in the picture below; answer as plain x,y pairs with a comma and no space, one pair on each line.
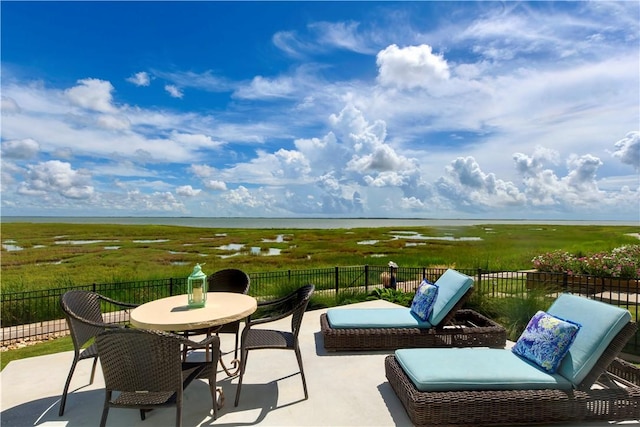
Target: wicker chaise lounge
476,387
390,329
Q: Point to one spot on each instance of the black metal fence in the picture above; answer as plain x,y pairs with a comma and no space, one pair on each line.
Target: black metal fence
36,314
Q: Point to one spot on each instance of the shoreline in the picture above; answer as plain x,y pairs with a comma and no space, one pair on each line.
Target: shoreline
302,223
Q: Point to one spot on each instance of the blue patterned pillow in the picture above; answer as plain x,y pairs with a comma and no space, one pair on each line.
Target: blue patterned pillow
546,340
424,299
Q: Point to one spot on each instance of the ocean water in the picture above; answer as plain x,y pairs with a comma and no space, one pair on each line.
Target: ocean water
296,223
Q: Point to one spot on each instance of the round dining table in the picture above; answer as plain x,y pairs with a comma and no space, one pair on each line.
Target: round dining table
173,313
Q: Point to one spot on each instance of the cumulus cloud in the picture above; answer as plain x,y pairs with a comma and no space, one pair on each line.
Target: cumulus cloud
531,165
92,94
579,187
20,149
140,79
138,201
213,184
411,67
582,172
242,197
628,150
470,188
58,177
173,91
187,191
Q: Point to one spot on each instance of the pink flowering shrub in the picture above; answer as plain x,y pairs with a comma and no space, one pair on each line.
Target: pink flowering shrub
622,262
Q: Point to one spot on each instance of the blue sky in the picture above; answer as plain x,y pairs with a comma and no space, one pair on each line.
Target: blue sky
510,110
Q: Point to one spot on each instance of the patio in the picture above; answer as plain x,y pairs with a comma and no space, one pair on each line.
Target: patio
345,389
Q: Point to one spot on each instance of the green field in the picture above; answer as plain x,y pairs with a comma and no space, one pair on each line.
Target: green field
58,255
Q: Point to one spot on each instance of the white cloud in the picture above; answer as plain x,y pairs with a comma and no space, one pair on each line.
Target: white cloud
342,35
113,122
9,105
56,177
173,91
262,87
628,150
92,94
140,79
20,149
241,197
194,140
187,191
470,188
215,185
583,170
411,67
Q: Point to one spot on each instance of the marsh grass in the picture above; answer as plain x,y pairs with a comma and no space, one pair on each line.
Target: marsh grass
157,251
514,312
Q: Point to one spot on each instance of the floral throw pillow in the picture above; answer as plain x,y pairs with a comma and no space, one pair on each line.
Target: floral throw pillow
424,299
546,340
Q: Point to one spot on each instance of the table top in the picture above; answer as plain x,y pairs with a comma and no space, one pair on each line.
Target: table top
173,313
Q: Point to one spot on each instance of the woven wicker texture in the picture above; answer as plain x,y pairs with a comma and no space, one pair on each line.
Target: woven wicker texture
84,317
227,280
146,368
294,305
464,328
606,401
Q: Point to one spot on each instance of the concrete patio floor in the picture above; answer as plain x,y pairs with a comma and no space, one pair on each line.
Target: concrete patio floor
345,389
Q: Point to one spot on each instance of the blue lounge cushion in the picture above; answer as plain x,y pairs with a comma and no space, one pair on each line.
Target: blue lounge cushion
452,369
452,286
600,321
349,318
423,300
546,340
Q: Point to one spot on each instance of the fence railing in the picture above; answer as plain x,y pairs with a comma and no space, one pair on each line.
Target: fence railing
33,315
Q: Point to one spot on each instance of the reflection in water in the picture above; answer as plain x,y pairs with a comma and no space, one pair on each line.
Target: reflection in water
231,247
368,242
417,236
78,242
10,248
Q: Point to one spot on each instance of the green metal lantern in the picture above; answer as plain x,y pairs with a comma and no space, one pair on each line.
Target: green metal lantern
197,288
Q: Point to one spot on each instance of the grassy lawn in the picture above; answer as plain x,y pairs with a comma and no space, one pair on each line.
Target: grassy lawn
47,347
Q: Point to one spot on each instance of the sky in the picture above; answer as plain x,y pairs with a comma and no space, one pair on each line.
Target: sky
452,110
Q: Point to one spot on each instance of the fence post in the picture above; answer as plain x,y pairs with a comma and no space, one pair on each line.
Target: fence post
366,278
93,287
337,279
171,286
480,279
565,281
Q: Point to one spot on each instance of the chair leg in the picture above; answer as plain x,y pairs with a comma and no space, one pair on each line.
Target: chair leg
63,400
105,410
304,381
93,370
179,412
235,351
243,363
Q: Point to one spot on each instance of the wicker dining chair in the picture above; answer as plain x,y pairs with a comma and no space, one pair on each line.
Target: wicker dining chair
146,370
85,319
293,305
227,280
230,280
